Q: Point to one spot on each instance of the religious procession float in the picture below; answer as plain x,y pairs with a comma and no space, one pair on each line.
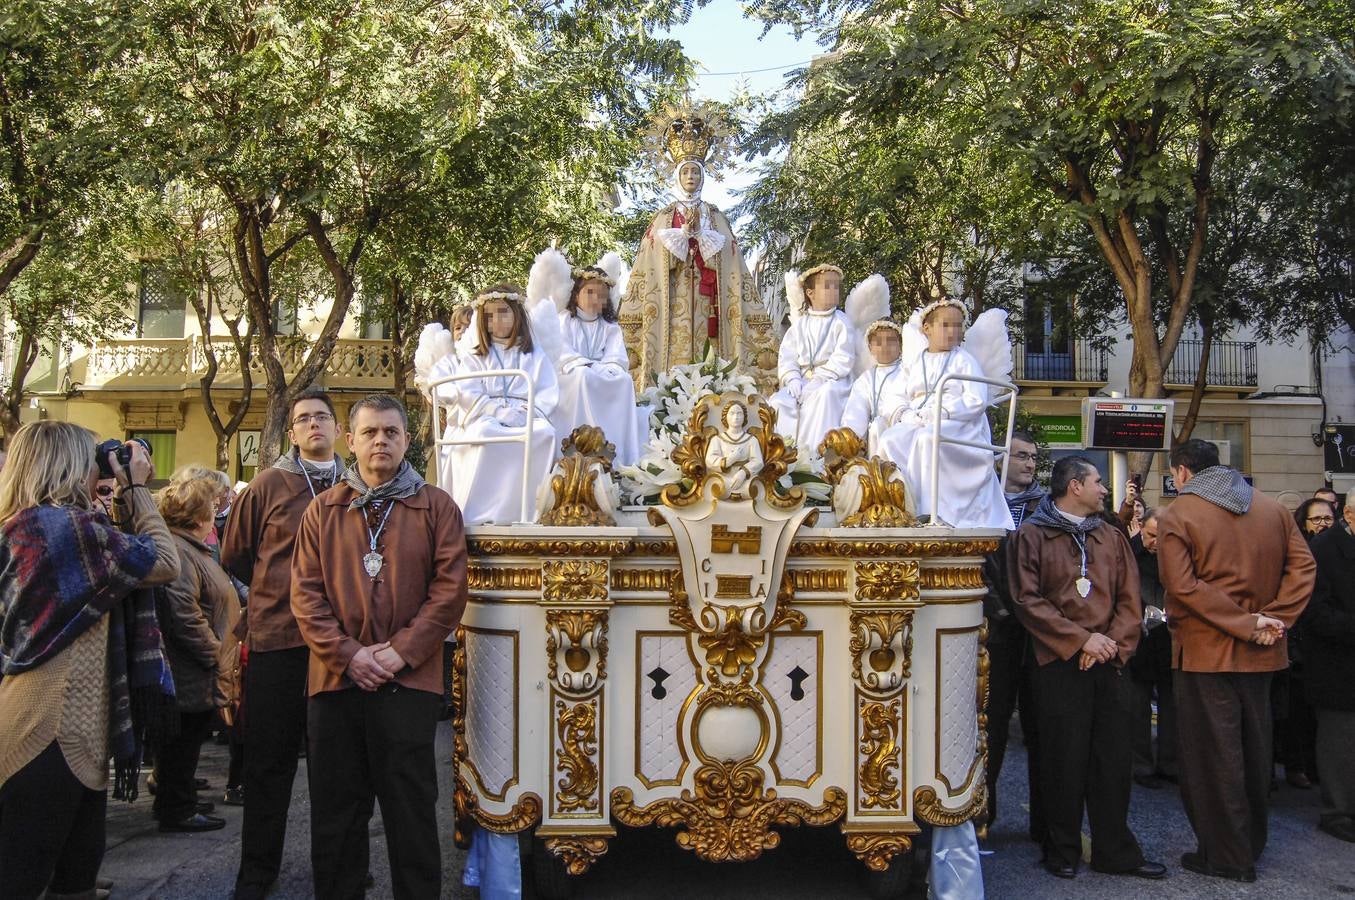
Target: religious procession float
711,606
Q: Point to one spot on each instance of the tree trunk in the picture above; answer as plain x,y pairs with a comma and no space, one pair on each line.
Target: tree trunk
1201,380
24,358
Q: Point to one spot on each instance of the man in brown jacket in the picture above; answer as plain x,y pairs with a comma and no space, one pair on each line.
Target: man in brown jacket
1075,586
257,549
1237,574
378,582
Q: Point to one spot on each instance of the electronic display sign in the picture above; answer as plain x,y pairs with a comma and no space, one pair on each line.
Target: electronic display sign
1120,423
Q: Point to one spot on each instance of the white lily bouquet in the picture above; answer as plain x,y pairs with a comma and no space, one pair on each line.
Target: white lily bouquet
671,402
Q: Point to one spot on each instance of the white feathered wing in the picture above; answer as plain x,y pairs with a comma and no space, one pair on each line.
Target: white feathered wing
435,343
551,277
988,342
795,296
618,272
866,303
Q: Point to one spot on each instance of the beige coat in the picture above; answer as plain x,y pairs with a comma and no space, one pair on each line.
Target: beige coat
200,614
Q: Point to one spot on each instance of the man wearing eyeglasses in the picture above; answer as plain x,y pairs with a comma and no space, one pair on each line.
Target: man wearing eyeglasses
1009,644
257,549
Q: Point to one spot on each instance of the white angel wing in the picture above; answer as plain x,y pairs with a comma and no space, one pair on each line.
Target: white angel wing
618,272
914,341
987,341
435,342
795,296
866,303
546,333
551,277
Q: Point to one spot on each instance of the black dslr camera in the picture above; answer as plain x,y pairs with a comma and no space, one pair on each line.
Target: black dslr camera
113,445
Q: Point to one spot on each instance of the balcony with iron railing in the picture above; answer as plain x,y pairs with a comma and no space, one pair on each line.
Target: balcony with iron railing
179,363
1232,365
1072,362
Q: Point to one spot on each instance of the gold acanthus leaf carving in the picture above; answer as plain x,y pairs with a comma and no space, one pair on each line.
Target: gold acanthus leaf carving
461,828
524,814
880,747
883,495
731,647
893,581
578,853
881,647
574,580
576,725
785,613
729,816
818,581
679,609
868,549
546,547
585,456
586,656
642,579
953,578
729,693
491,578
876,850
927,806
985,665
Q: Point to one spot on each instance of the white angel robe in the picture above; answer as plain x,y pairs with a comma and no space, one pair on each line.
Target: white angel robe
878,396
487,480
970,495
596,387
816,354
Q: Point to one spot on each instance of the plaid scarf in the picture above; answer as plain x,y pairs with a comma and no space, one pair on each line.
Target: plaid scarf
406,483
1221,486
61,570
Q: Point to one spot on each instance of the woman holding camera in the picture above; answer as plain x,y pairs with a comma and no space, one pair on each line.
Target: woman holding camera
80,651
201,610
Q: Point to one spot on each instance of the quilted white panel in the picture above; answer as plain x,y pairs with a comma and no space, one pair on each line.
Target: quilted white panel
660,756
957,706
492,708
797,759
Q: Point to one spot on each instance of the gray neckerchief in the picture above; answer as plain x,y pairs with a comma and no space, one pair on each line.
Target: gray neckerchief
1221,486
293,463
406,483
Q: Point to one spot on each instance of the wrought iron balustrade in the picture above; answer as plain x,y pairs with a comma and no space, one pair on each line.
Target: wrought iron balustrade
1231,364
1078,360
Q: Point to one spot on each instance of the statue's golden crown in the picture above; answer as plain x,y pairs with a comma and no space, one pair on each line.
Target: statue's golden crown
688,137
691,133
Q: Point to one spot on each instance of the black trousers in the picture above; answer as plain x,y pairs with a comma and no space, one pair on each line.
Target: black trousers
275,683
366,744
1225,753
51,830
176,767
1009,686
1150,672
1086,760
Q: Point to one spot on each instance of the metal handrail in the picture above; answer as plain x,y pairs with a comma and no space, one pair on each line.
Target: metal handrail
1003,450
525,438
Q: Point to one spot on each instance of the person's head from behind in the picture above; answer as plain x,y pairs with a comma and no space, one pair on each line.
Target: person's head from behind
314,425
1315,516
1021,466
189,505
1328,495
378,435
225,491
1148,529
50,464
1076,486
1191,458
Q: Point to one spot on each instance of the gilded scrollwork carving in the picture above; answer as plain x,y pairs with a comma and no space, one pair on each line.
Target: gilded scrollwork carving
879,747
729,693
578,852
868,492
891,581
492,578
576,726
524,814
732,647
643,579
461,828
867,549
729,815
876,850
927,806
574,580
579,491
881,648
818,581
953,578
547,547
690,455
576,648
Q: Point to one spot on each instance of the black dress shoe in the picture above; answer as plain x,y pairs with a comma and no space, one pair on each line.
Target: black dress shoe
1145,869
1194,862
195,822
1059,869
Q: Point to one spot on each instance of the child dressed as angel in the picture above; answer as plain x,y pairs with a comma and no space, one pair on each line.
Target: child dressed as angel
595,382
487,480
815,362
969,493
878,396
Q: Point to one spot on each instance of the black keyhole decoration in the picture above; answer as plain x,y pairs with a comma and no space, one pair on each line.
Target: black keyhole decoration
797,676
658,692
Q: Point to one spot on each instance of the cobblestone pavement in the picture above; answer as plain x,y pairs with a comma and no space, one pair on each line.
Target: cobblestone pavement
1300,861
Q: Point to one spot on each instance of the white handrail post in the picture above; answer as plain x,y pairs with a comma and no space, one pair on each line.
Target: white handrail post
1004,450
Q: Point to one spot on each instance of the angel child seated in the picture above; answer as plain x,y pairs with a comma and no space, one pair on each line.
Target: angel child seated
487,480
878,397
596,387
969,493
733,452
814,365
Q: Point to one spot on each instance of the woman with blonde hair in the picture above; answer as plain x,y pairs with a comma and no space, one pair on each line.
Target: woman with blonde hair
199,614
80,651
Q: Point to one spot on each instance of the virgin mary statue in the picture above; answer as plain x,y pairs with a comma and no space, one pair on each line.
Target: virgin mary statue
690,288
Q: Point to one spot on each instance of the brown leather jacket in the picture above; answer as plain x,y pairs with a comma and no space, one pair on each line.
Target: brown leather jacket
201,608
414,602
1045,564
1220,569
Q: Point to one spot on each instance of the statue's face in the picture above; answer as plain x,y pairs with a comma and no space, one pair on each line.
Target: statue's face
944,329
592,298
824,290
736,416
885,346
690,177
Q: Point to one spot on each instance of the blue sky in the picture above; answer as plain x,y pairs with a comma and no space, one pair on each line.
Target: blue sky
730,53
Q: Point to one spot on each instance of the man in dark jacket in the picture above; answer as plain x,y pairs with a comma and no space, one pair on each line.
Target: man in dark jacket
1009,644
1328,628
1150,669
